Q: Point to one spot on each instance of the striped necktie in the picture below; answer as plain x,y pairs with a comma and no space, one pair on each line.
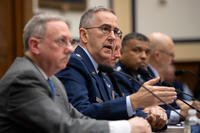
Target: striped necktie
107,86
52,87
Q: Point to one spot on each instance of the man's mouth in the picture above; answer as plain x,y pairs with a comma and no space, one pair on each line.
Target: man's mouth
108,47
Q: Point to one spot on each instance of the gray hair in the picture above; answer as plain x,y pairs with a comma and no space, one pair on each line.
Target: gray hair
89,15
36,27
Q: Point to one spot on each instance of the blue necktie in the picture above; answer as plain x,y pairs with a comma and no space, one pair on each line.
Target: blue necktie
52,87
107,86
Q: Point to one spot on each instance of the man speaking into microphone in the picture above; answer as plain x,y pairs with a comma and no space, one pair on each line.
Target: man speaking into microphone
89,89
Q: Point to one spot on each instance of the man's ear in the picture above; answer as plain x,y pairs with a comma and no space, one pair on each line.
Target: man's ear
33,45
83,35
156,55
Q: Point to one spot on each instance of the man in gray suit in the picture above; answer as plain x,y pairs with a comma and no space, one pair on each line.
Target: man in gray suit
33,100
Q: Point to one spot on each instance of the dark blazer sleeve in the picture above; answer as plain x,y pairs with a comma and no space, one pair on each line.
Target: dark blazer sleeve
82,91
28,104
128,86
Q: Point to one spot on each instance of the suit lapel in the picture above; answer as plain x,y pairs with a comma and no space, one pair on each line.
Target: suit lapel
102,94
28,63
102,91
108,85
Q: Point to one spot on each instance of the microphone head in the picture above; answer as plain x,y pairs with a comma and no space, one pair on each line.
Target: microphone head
144,72
105,68
165,83
180,72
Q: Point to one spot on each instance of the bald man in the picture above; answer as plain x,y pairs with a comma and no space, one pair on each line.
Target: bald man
162,52
161,57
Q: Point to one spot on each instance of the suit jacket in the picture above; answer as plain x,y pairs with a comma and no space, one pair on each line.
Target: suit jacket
126,83
86,91
27,106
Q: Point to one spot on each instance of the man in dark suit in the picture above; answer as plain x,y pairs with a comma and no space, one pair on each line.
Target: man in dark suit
134,55
161,58
89,89
33,100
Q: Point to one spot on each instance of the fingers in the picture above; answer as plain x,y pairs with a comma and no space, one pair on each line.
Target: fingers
161,121
144,97
179,102
156,122
157,117
182,105
167,94
152,81
196,104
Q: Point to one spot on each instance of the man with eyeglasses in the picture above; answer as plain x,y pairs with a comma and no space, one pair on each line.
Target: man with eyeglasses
162,52
133,55
89,89
33,100
161,57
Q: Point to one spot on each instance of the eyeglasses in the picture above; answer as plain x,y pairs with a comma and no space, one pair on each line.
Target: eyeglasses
167,53
106,29
62,42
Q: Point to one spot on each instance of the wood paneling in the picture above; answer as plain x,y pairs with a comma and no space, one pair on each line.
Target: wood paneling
13,15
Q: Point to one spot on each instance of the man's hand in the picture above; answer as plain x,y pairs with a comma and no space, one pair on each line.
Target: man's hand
157,117
139,125
142,98
183,107
196,104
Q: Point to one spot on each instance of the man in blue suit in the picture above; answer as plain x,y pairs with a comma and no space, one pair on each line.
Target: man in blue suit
89,89
134,54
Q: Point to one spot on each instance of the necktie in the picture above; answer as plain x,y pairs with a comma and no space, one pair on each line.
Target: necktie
52,87
115,84
107,86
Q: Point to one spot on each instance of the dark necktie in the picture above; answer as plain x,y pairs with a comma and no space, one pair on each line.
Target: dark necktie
52,87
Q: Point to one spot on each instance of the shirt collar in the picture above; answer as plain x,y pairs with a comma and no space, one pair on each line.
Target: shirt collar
154,71
92,60
42,72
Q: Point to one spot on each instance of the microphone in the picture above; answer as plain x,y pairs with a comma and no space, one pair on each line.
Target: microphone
164,83
183,72
144,72
105,68
108,69
180,72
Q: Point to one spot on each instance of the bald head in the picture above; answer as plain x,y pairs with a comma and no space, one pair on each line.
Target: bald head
162,51
160,41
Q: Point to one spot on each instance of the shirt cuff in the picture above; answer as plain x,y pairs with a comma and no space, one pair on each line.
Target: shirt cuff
174,118
130,110
119,126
